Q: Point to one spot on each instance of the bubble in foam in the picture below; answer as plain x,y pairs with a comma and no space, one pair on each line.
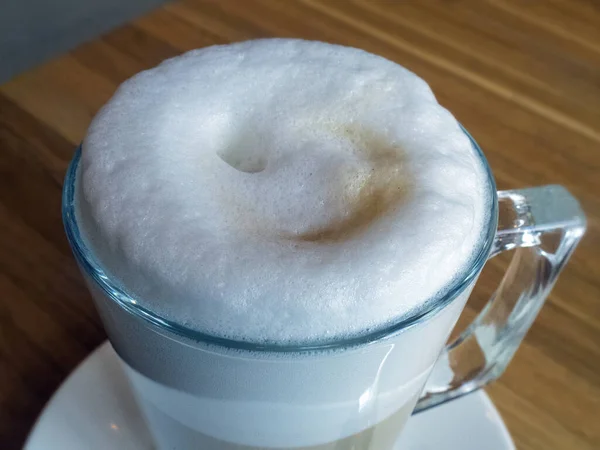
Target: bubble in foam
280,191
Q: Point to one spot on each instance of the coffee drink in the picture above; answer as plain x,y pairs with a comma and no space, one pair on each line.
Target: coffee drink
280,193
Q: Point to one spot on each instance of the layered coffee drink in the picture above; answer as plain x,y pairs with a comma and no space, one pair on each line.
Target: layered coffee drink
271,203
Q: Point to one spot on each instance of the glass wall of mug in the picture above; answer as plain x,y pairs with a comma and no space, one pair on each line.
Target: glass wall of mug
201,395
199,391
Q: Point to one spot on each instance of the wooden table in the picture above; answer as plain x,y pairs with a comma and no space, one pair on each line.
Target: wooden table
523,77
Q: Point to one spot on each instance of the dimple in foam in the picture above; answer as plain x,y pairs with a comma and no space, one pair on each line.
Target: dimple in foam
280,191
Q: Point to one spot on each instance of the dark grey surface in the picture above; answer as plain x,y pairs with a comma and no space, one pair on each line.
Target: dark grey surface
32,31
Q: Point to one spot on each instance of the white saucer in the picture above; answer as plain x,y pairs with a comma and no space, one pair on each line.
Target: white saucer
94,410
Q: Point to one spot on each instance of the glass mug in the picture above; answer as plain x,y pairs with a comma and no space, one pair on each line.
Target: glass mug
202,392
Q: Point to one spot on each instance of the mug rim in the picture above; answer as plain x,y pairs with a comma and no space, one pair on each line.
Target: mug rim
93,269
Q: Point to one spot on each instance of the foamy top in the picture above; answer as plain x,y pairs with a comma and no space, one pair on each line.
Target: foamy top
280,191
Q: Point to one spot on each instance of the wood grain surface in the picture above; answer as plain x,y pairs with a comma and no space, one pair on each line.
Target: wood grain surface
522,76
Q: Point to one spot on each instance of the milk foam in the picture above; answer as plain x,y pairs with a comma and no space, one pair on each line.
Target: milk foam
280,191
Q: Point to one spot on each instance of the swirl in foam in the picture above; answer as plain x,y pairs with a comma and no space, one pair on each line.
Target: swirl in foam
280,191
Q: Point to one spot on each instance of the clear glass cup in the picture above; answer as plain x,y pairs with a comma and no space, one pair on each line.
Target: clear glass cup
202,392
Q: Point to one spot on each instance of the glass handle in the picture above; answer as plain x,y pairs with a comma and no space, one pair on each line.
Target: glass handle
544,225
